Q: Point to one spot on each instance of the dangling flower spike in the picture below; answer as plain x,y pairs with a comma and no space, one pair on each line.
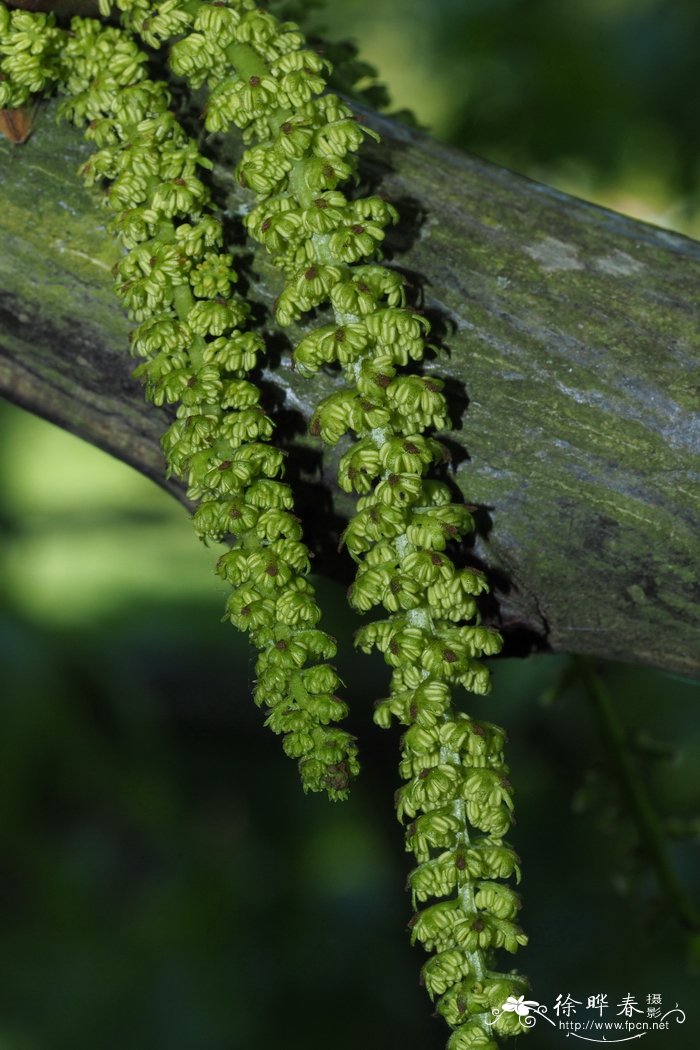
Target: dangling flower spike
176,280
456,799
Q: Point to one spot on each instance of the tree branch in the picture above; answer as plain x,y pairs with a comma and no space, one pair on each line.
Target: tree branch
572,330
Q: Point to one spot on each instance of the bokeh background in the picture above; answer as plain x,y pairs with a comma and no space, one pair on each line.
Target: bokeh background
164,884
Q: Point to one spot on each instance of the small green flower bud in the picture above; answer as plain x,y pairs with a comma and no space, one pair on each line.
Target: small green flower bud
340,138
471,1036
428,790
269,494
214,317
297,608
263,168
248,610
444,970
434,830
278,524
494,897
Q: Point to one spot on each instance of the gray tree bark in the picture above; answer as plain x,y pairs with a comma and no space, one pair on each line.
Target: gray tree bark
572,344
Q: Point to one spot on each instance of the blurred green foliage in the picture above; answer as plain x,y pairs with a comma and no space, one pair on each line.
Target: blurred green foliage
596,97
165,885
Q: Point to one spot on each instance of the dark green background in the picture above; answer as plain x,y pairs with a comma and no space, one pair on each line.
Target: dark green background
164,883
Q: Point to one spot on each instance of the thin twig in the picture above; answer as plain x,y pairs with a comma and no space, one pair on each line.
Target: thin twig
639,803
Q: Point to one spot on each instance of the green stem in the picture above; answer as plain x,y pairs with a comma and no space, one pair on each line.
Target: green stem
635,794
183,301
246,61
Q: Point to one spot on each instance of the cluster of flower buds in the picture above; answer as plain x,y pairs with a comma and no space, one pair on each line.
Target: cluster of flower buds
28,56
303,141
196,354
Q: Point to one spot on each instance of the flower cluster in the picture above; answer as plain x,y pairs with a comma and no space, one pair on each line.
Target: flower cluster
28,50
196,354
262,77
303,143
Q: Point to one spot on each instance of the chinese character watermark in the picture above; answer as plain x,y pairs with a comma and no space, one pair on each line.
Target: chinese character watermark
631,1022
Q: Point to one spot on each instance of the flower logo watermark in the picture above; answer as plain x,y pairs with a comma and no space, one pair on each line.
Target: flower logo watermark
519,1006
624,1028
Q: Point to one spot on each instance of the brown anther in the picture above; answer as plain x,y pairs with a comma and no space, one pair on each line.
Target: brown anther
311,274
413,711
436,559
338,776
272,570
320,203
431,386
362,286
179,182
382,381
478,925
339,335
328,172
266,225
191,381
254,81
394,586
394,648
281,645
245,611
412,449
374,516
234,513
224,465
460,862
315,427
423,774
152,261
448,656
393,480
357,228
287,128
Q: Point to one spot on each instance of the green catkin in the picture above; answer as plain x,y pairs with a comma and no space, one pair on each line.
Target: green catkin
456,798
176,281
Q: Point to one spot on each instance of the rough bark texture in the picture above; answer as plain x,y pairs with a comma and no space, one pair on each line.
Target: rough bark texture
572,332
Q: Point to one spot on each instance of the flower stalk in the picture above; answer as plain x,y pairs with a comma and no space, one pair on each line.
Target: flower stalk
302,144
197,354
456,798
